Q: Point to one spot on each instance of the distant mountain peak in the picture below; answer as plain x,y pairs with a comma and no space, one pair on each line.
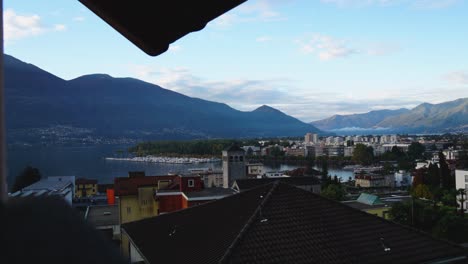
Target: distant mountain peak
266,109
96,76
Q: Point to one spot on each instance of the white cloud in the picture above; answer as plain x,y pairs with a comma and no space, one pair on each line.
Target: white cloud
419,4
79,19
23,26
434,4
175,48
263,39
326,47
457,77
380,49
60,27
309,104
252,11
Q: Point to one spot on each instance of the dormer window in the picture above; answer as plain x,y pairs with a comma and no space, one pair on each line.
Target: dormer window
191,183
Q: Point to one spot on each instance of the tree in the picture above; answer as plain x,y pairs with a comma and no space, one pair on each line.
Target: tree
422,191
416,150
401,213
462,198
27,177
363,154
445,176
334,191
324,174
433,176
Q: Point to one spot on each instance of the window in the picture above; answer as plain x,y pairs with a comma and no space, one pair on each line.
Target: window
241,158
236,158
231,158
191,183
129,210
466,178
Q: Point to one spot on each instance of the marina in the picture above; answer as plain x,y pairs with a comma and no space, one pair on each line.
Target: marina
170,160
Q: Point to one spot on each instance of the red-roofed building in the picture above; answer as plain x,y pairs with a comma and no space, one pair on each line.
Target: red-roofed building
141,196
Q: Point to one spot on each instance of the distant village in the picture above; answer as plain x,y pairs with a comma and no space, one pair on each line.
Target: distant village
135,206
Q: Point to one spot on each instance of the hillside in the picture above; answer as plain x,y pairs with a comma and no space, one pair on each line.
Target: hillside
366,120
117,107
449,116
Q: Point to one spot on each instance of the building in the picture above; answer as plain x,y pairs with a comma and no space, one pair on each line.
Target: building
308,139
461,182
85,187
279,223
252,150
255,169
375,205
371,180
135,195
141,197
335,151
233,165
211,178
307,183
371,204
348,151
403,178
296,152
274,174
63,186
104,218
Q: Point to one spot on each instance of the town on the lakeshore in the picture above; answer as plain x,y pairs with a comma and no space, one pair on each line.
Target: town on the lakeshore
418,182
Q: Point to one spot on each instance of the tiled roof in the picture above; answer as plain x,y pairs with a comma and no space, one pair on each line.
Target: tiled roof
210,192
130,185
369,199
246,184
279,223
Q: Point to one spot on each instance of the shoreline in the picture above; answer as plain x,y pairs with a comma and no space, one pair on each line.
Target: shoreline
167,160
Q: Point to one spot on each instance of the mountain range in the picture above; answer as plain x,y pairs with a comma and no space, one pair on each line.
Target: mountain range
449,116
127,107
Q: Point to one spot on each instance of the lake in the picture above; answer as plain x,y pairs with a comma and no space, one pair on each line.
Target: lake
90,162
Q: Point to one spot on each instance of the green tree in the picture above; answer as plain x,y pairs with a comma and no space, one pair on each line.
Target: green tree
362,154
334,191
401,213
27,177
324,174
276,152
422,191
416,150
461,199
446,178
433,175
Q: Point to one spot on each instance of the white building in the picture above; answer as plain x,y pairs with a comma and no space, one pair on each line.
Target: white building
62,186
403,178
461,182
308,138
329,140
338,140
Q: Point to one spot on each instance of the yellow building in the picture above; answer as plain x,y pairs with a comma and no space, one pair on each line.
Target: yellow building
136,198
85,188
371,204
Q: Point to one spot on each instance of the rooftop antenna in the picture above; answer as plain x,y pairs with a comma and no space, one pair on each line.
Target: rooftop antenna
386,249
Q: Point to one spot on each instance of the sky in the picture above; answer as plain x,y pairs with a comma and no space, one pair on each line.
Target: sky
308,58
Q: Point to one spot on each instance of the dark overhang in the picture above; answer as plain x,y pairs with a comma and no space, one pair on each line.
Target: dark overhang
154,25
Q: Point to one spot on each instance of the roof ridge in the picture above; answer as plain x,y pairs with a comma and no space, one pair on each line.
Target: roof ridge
248,223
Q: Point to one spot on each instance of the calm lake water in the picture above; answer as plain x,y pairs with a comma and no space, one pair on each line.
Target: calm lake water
90,162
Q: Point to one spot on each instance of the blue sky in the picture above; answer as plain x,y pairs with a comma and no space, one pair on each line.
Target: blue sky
309,58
